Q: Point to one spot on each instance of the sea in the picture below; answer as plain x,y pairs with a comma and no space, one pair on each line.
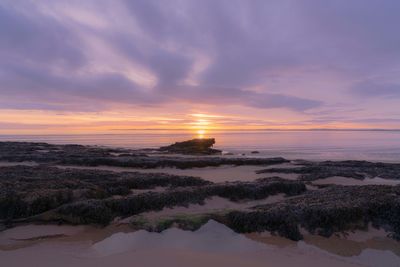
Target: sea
372,145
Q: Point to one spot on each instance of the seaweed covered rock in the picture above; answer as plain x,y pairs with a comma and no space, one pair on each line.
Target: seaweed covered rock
154,201
326,211
311,171
27,191
30,190
260,189
194,146
95,212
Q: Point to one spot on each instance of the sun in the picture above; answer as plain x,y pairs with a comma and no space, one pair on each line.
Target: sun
201,133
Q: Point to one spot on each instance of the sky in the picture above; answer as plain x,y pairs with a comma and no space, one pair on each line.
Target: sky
102,66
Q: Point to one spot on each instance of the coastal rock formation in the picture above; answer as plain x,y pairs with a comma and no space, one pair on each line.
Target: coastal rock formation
311,171
51,194
96,156
81,212
27,191
325,211
192,147
93,196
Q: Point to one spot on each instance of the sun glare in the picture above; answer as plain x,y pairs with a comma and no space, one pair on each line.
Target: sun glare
200,134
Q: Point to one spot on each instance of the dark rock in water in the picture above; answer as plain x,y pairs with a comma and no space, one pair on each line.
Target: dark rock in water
255,152
194,146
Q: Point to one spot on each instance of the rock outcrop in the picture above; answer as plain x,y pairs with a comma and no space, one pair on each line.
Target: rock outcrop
194,147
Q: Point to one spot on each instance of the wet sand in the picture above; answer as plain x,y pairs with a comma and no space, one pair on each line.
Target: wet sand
215,174
25,163
346,244
351,181
212,245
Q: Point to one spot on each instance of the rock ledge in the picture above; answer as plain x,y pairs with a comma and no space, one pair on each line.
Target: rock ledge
194,146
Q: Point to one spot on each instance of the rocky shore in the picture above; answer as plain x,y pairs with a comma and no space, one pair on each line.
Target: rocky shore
96,156
92,196
45,193
311,171
325,211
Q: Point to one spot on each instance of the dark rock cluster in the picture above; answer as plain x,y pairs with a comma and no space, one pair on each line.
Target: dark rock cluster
311,171
193,147
325,211
176,162
96,156
80,212
96,196
26,191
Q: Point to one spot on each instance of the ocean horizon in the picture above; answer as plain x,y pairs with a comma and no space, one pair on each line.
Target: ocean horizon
375,145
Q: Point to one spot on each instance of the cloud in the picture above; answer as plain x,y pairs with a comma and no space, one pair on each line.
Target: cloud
376,89
27,37
236,96
94,56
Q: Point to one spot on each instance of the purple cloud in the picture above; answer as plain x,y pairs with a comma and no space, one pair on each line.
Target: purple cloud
89,56
377,89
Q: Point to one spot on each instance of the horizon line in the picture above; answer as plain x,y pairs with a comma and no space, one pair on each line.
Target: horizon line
264,129
216,130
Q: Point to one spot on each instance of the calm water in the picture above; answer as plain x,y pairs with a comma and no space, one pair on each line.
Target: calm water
368,145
